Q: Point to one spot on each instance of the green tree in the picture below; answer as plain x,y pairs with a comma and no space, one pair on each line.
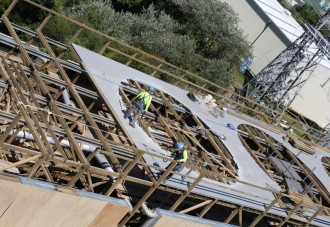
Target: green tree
129,4
200,36
4,5
152,31
97,14
308,13
214,26
158,33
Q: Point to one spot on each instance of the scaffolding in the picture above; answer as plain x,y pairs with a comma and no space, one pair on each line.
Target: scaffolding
278,84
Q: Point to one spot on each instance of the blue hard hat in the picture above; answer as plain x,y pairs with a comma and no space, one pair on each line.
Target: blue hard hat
230,126
151,88
179,146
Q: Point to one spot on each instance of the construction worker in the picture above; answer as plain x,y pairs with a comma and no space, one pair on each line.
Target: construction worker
179,154
141,104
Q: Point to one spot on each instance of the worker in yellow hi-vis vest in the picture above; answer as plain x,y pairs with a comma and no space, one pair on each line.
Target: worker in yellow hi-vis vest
179,154
141,104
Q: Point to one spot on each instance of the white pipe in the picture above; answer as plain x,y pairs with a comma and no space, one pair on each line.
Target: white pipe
65,95
152,216
101,159
149,213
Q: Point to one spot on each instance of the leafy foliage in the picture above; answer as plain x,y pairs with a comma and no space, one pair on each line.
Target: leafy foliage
129,4
97,14
153,31
308,13
158,33
4,5
200,36
25,13
213,24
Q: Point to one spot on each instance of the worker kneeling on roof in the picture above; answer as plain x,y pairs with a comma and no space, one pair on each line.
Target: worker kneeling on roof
179,154
140,105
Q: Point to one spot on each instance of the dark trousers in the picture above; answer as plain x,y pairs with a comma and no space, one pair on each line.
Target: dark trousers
136,116
177,168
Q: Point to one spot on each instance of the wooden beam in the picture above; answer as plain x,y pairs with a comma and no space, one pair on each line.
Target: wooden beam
270,143
247,129
186,193
291,213
233,214
123,175
148,193
22,161
207,208
9,128
314,216
195,207
219,151
311,177
266,210
28,60
81,104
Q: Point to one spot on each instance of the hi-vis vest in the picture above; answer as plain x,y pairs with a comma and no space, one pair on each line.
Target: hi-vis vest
181,157
146,98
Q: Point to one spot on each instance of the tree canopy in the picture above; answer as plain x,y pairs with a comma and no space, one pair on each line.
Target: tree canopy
200,36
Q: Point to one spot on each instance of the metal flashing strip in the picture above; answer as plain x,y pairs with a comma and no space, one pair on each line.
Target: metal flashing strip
189,218
37,183
107,199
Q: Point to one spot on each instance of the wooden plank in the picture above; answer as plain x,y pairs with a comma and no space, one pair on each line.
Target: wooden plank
233,214
270,143
18,203
23,161
266,210
195,207
291,213
207,208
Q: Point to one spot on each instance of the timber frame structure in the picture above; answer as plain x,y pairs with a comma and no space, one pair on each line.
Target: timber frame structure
57,126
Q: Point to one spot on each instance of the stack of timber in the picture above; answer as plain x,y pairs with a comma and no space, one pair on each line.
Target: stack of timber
297,197
302,146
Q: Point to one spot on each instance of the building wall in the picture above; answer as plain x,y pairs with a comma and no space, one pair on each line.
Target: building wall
253,20
314,100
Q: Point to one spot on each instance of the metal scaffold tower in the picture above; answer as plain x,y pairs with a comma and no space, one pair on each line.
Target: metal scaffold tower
281,81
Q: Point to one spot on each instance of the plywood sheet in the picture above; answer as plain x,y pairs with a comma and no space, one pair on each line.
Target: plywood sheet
22,205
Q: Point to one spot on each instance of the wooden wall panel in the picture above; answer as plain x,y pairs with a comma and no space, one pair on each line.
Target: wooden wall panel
22,205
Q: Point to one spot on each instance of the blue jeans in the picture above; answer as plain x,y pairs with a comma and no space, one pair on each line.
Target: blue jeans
136,107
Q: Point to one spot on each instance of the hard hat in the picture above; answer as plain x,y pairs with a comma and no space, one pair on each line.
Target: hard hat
230,126
179,146
151,88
